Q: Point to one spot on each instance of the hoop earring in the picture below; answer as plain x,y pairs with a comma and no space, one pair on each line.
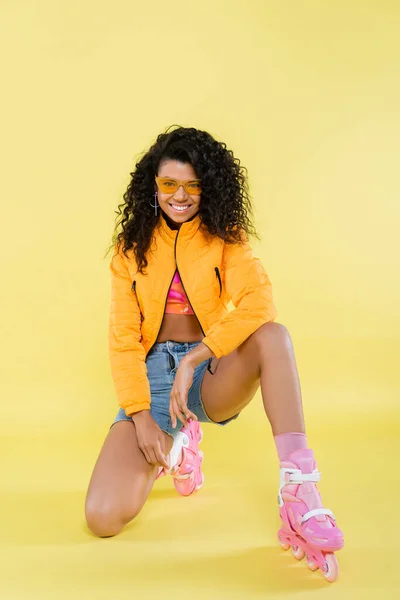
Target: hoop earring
155,205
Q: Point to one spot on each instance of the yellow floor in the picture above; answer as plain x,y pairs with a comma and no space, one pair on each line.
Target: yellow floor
220,543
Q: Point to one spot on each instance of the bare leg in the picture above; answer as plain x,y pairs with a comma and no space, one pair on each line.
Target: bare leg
280,385
121,481
266,358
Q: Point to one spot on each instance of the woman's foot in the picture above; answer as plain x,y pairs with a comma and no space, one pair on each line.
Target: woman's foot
308,527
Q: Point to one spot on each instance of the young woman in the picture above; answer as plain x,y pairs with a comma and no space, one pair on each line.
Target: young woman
178,357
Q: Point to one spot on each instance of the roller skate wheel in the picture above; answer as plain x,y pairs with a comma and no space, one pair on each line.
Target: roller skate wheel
311,564
284,544
331,567
298,552
185,440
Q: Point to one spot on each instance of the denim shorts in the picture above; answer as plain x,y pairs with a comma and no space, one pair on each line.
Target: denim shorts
162,363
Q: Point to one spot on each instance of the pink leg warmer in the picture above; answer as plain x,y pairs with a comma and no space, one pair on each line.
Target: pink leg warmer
286,443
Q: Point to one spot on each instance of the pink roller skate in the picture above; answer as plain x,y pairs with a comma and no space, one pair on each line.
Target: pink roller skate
186,458
187,474
307,527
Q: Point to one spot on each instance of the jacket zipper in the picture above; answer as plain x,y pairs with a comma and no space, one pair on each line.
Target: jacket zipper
165,303
219,279
176,262
201,327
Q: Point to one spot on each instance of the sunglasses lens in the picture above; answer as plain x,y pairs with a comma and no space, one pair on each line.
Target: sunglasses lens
193,188
170,186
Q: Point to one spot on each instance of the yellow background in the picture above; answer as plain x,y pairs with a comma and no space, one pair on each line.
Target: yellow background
306,94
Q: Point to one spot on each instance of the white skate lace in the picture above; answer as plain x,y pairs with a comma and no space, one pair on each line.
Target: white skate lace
297,477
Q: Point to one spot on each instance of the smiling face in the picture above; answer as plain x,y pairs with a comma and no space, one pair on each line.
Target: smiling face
179,206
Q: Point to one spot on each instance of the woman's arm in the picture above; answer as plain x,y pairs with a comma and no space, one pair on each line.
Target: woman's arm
198,355
249,287
127,354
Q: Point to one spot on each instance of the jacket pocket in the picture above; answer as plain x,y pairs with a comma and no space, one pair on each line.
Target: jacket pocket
133,288
217,273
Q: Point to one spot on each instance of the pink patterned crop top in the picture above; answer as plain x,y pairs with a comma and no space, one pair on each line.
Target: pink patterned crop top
177,302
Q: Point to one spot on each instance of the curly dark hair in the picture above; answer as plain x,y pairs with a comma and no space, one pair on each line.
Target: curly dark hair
225,207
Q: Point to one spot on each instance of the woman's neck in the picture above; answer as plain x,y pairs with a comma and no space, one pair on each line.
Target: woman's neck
171,224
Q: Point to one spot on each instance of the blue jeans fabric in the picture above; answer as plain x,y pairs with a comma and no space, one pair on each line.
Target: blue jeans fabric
162,363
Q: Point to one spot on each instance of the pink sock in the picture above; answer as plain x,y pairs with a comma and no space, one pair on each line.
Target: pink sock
286,443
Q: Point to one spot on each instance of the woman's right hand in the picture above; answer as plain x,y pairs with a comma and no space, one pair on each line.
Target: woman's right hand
150,438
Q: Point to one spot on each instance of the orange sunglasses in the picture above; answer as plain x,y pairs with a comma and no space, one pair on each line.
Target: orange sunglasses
167,185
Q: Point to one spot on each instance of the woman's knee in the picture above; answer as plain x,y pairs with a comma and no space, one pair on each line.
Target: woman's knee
271,334
106,521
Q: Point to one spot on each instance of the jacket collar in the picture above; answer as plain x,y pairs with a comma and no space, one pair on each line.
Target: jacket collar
186,231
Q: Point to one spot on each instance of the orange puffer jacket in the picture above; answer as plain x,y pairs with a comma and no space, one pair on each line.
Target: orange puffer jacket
212,273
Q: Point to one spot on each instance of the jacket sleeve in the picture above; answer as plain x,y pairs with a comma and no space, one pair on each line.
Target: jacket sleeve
127,354
249,287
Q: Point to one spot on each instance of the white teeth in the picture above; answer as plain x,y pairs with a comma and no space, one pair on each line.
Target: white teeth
180,208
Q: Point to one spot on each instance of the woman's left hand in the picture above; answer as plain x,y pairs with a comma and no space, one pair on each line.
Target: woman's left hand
179,394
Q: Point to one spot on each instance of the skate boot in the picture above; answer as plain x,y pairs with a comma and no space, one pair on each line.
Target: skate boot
185,460
307,527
